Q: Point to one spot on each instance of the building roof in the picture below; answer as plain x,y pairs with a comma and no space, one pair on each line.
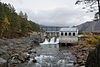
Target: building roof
51,28
69,29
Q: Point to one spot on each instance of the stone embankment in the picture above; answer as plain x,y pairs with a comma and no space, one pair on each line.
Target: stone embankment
15,51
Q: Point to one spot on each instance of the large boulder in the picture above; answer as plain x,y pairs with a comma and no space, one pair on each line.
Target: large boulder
3,62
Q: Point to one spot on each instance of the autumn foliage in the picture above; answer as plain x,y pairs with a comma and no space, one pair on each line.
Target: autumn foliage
13,24
92,39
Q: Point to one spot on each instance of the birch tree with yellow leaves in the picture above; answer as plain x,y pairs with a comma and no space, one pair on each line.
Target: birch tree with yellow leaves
4,26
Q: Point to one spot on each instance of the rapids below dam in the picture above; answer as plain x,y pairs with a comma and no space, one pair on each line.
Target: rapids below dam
51,55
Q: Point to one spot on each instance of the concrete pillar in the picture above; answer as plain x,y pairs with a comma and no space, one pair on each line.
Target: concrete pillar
55,33
67,33
59,33
50,33
71,33
63,33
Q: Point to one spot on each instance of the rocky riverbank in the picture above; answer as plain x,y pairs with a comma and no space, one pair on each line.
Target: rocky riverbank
15,51
81,53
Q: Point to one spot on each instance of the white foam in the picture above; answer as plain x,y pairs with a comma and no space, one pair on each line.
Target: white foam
57,41
52,41
30,61
42,58
45,42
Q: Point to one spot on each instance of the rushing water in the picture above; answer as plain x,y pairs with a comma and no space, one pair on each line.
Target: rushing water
50,55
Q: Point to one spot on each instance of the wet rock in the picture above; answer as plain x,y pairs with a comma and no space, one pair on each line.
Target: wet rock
15,50
1,51
35,52
27,58
24,57
3,62
34,61
18,59
14,60
29,52
81,54
4,54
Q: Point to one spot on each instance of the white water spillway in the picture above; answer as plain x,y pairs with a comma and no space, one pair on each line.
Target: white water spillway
53,40
45,42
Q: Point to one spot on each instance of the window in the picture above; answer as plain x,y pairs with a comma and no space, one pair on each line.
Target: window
65,34
61,33
73,34
70,34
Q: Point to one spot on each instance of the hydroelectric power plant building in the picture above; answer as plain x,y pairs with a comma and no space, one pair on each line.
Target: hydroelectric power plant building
65,34
68,35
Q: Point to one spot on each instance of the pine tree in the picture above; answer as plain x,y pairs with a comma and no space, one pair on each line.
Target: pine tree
21,14
26,16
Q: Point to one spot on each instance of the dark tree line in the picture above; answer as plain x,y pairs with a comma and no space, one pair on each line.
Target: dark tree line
13,24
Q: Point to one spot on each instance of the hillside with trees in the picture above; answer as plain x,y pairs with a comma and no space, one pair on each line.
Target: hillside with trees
13,24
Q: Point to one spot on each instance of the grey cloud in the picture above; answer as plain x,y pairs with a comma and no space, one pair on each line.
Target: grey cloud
56,12
20,1
59,17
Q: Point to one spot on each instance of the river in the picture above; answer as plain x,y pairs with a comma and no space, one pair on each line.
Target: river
51,55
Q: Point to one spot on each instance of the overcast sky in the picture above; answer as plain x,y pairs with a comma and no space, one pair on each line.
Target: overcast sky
52,12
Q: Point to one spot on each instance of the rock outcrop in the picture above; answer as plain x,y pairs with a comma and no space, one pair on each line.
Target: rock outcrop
81,53
3,62
93,59
15,51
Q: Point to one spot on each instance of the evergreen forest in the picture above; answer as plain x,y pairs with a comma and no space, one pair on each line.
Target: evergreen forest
13,24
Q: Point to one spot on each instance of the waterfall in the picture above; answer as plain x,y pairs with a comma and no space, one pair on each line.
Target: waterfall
45,42
57,40
53,40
